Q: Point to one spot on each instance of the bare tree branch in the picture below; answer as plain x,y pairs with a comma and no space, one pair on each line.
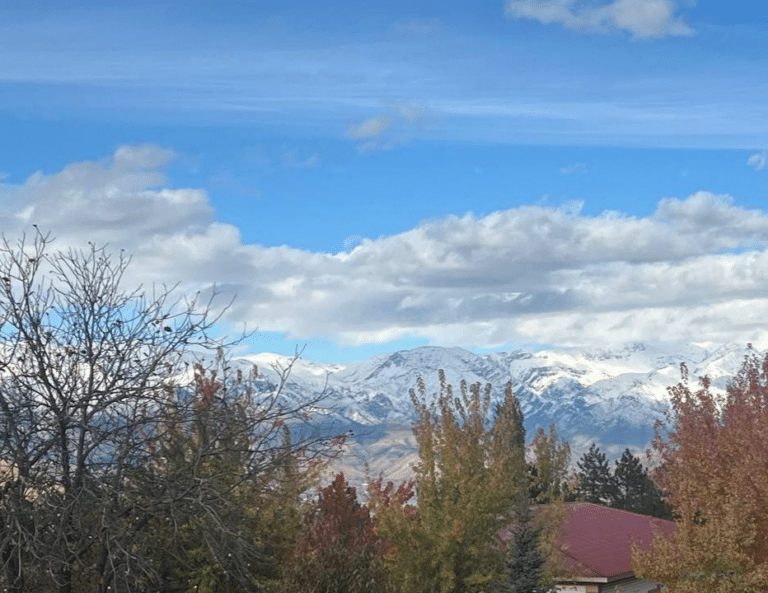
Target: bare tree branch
108,440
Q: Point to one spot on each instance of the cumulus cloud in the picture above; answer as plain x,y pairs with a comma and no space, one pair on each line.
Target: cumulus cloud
111,200
641,18
695,269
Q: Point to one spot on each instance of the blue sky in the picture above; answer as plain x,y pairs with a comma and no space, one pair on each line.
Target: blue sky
370,176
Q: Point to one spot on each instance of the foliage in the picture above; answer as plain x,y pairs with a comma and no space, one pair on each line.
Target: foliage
595,482
548,472
526,562
337,551
712,467
635,490
470,476
84,372
396,523
630,477
236,484
104,459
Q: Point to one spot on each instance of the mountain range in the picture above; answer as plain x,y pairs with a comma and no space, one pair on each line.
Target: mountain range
610,396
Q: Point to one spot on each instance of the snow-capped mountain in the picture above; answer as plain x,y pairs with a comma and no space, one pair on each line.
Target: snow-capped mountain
612,397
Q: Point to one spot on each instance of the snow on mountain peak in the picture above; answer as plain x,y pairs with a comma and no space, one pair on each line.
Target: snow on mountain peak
611,396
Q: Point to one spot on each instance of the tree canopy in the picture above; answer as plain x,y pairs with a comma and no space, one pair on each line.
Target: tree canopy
109,458
713,459
337,551
635,490
595,481
471,486
549,468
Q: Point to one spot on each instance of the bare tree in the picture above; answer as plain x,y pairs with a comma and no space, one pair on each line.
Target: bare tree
91,407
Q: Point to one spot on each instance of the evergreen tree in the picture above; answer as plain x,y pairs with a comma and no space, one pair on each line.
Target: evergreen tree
631,483
596,483
635,490
526,562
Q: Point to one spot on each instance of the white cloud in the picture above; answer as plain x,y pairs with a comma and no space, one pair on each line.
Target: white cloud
758,161
696,269
112,200
641,18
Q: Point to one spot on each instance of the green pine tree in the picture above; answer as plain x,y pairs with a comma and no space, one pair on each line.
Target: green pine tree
631,483
596,484
526,561
635,490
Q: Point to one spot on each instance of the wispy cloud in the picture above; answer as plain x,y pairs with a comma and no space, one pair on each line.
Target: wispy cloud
134,63
573,168
372,127
642,19
292,159
394,127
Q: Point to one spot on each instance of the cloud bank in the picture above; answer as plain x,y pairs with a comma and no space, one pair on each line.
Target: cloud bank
695,269
642,19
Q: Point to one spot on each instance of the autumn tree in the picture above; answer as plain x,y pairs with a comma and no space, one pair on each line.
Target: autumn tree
469,480
596,483
88,374
713,456
549,466
395,522
231,476
337,550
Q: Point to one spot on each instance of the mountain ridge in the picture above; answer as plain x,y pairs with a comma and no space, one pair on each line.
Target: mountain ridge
611,396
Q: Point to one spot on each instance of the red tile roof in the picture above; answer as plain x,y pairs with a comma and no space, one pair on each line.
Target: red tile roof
596,539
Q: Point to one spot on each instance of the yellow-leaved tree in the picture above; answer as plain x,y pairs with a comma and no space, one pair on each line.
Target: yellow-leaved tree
470,483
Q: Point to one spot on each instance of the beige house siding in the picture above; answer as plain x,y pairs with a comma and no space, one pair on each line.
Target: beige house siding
577,588
629,586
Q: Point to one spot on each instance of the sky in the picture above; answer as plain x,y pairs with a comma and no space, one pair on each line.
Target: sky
362,177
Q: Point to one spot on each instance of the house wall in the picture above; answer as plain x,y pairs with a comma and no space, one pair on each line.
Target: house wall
577,589
630,586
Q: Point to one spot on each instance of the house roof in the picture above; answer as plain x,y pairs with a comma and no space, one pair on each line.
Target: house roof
596,540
